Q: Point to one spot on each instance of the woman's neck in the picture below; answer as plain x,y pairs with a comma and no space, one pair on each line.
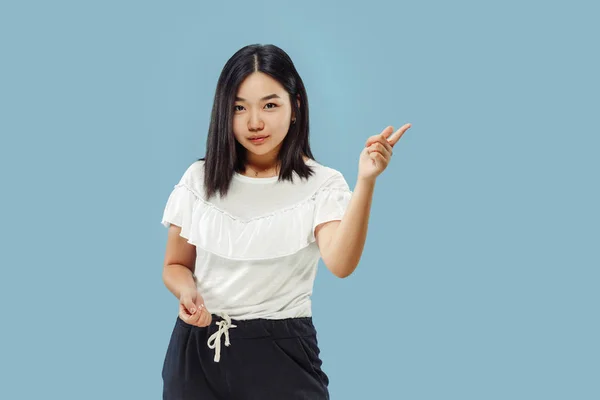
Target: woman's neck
263,165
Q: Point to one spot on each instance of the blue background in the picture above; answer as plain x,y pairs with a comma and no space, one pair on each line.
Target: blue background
480,275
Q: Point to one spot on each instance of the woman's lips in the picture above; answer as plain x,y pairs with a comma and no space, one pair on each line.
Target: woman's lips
259,140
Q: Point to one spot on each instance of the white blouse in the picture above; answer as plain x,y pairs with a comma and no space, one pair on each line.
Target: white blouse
256,254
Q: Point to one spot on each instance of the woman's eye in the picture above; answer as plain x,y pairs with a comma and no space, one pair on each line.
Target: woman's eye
241,108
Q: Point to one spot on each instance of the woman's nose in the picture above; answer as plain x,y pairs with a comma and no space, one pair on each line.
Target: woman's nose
255,122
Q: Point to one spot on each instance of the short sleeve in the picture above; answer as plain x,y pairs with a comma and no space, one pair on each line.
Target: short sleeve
180,205
331,200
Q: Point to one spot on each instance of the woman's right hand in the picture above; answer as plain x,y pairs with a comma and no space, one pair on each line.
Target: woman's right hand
192,309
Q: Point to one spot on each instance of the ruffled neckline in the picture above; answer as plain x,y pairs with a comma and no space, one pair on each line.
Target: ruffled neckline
270,179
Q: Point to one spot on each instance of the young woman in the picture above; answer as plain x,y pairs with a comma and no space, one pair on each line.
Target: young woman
247,226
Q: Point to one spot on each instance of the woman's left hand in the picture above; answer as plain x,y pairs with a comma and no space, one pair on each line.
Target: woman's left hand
377,153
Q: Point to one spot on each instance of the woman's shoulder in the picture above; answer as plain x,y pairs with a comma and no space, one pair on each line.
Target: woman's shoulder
193,177
323,171
326,176
196,170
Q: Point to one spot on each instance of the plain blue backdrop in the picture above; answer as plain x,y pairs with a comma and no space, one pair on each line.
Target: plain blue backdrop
480,276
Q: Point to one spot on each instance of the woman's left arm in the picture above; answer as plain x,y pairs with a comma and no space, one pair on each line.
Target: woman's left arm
341,243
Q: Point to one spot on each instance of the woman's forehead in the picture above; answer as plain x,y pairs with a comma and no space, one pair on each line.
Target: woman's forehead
258,86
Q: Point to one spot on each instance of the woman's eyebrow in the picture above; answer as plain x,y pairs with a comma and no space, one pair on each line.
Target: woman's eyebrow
271,96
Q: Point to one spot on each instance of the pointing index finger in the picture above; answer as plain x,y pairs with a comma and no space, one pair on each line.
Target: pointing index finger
398,134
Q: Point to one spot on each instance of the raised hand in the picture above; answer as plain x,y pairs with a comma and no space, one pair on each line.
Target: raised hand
377,153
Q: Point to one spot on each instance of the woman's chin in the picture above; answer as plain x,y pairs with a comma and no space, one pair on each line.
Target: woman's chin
258,151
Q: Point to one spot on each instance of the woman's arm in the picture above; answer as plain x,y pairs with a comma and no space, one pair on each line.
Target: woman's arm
341,243
179,264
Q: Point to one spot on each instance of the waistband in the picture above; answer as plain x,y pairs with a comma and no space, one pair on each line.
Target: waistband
223,325
259,327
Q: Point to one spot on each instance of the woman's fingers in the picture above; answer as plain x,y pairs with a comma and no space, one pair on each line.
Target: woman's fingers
379,139
206,319
386,132
398,134
384,150
187,300
387,135
379,158
201,317
183,311
187,316
383,135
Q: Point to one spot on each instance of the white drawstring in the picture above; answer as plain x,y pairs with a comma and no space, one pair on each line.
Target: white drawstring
215,338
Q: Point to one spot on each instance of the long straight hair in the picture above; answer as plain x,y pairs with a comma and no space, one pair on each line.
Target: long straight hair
224,154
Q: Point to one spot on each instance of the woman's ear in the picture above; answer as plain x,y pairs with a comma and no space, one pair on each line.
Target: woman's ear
298,102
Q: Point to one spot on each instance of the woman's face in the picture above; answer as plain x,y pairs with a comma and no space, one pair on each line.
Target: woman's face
262,110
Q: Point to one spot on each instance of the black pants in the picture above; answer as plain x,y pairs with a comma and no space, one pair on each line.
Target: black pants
266,359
